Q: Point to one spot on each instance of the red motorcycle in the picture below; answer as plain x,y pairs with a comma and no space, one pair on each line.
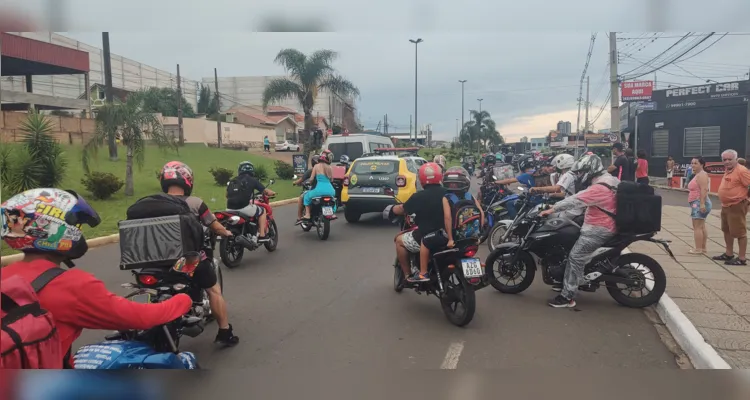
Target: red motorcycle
244,227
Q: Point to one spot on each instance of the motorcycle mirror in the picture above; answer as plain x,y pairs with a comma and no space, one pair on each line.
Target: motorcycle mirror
494,177
295,177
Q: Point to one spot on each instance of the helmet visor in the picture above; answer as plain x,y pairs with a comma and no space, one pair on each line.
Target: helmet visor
82,213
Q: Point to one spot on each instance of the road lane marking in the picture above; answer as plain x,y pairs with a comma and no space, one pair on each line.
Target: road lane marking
452,356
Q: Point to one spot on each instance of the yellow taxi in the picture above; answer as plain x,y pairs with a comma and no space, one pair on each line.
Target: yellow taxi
374,182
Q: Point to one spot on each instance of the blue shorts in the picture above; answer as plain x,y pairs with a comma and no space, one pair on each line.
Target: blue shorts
695,209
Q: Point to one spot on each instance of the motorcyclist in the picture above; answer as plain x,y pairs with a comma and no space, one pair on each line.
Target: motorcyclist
440,160
76,299
242,200
300,207
597,229
456,180
176,180
564,184
322,175
433,218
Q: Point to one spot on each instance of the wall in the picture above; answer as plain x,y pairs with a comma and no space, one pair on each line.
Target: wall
64,129
198,130
126,73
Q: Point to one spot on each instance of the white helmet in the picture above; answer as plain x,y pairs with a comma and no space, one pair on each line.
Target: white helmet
563,161
439,159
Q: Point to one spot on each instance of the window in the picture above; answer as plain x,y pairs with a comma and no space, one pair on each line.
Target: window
379,167
374,146
411,165
704,141
660,143
352,149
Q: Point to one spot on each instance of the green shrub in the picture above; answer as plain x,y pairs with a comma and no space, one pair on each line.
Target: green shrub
221,175
261,172
284,170
102,185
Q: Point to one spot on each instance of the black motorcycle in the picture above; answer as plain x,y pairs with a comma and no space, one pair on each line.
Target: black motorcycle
322,212
455,274
546,243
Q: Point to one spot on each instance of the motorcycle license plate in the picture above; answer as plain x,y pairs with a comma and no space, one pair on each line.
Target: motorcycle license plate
143,298
472,267
370,190
327,211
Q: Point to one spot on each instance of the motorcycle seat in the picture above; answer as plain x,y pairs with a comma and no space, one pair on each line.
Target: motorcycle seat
244,213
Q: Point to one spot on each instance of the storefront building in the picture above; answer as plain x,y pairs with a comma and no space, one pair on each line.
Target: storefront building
690,121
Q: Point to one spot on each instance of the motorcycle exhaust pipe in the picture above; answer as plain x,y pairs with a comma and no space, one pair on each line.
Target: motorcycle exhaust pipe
245,242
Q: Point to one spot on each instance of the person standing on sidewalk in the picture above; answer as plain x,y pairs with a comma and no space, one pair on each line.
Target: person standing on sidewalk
733,196
700,204
620,168
670,170
641,171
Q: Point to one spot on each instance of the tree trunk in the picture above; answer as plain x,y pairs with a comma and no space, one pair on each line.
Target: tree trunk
310,147
129,191
112,144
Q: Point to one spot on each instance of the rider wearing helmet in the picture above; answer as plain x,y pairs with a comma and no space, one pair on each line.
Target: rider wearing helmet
240,193
300,207
433,218
598,227
45,224
177,180
322,175
457,183
526,177
440,160
563,186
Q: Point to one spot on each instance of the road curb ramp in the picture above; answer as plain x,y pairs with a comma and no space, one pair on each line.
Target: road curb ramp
105,240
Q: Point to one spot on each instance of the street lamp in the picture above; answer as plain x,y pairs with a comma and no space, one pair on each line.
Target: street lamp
462,104
416,124
480,105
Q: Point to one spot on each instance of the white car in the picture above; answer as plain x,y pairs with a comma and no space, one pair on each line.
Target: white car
287,145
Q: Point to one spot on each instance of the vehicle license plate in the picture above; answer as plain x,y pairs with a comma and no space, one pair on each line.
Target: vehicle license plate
370,190
472,267
327,211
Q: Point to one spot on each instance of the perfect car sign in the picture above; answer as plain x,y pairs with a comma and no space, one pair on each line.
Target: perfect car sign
637,91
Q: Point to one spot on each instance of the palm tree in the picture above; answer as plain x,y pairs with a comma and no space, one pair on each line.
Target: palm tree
481,121
135,125
308,75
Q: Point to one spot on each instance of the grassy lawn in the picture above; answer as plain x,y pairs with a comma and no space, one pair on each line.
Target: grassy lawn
199,157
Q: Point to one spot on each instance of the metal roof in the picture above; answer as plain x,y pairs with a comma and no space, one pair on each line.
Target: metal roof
24,56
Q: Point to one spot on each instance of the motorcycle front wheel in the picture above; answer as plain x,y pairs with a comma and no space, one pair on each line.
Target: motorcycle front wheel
274,236
398,277
231,254
521,274
459,301
495,236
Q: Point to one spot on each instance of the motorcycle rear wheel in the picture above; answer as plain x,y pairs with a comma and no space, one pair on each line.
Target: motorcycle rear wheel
464,292
659,278
231,261
324,228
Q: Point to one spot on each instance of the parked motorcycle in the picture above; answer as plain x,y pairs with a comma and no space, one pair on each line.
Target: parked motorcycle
453,286
546,242
158,347
244,229
322,212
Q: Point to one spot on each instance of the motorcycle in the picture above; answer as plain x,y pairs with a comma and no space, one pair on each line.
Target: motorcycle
545,243
340,171
244,229
495,209
451,285
158,347
322,212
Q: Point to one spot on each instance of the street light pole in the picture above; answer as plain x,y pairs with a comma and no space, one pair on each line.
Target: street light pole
462,105
480,105
416,58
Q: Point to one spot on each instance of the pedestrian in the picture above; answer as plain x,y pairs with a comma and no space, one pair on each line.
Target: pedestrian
700,204
670,170
632,165
266,145
641,171
620,167
733,197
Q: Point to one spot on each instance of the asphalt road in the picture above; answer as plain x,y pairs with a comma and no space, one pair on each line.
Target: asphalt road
314,304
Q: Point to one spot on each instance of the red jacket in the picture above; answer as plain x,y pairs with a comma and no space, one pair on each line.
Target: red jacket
78,300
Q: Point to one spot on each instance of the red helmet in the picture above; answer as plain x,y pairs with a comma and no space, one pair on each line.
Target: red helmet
430,174
326,156
176,173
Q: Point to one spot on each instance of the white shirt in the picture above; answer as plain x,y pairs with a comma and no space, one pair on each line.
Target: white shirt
568,183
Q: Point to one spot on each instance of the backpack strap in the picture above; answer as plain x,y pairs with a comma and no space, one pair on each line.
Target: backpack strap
612,188
452,197
468,196
45,278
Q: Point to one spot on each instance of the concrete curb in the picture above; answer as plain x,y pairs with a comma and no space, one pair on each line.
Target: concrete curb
702,355
105,240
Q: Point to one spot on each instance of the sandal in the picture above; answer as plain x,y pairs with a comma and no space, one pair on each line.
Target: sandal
735,261
722,257
696,252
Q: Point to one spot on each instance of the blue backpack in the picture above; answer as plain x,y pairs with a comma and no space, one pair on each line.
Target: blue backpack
467,217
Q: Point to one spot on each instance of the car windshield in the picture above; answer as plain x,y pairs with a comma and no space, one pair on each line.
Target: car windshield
375,167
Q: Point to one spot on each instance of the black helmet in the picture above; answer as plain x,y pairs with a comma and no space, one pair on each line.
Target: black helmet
314,160
246,167
526,164
456,179
490,159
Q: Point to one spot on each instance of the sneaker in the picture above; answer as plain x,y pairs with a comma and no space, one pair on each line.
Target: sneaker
264,239
561,302
419,278
227,337
557,287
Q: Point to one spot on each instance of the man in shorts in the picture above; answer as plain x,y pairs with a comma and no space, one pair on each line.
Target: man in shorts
733,196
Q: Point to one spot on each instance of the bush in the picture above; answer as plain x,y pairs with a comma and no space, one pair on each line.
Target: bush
261,172
284,170
221,175
102,185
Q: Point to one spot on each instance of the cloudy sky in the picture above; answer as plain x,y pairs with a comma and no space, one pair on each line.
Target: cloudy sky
527,78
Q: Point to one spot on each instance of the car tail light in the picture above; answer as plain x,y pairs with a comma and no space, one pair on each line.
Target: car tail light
148,280
346,180
401,181
471,251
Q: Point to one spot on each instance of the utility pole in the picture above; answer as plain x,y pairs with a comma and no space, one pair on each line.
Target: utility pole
416,59
614,86
385,124
410,126
112,144
585,131
218,105
462,105
480,105
179,107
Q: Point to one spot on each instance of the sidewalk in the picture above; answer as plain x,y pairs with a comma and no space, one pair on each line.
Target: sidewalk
713,296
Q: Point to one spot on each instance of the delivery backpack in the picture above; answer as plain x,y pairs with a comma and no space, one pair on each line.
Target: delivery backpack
239,193
638,208
29,338
467,222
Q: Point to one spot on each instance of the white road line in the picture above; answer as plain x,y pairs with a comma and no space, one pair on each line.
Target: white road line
452,356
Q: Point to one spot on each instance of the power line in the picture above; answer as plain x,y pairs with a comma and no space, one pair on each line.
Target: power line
707,47
673,37
659,55
673,59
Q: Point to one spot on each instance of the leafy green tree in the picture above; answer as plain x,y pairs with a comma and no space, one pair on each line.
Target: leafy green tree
308,75
208,104
165,101
135,124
